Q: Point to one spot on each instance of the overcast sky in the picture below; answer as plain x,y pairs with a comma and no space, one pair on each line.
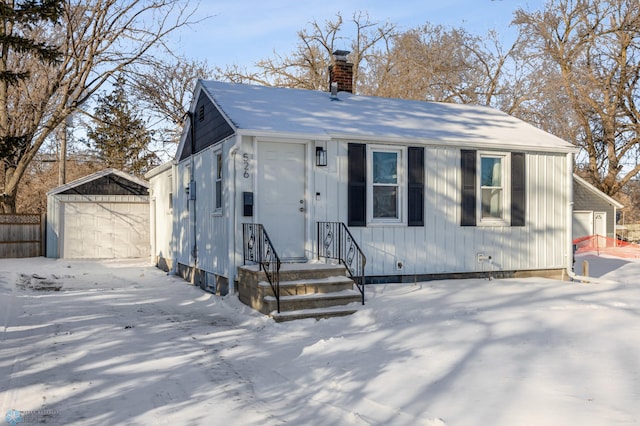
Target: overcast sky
244,31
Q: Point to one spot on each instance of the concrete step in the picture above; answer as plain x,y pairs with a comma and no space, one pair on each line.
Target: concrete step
307,286
307,290
319,313
295,271
312,300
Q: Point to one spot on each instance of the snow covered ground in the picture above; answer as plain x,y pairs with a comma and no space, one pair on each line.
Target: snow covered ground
120,342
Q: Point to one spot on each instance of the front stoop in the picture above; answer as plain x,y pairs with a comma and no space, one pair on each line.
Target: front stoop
307,290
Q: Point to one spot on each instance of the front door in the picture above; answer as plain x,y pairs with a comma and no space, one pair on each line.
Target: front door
600,223
281,197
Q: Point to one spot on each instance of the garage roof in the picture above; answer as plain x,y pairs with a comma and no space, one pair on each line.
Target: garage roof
105,182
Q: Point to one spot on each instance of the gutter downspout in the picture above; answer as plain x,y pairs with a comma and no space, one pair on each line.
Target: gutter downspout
194,250
569,226
234,266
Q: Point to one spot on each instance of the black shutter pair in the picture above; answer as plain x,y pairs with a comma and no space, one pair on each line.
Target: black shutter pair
357,185
518,195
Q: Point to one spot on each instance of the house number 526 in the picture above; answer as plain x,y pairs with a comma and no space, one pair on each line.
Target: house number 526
245,165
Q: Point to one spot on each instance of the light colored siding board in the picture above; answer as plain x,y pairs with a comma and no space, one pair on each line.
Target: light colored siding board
211,226
182,218
162,186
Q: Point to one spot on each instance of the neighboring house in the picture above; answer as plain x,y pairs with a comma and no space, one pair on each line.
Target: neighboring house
594,212
101,216
427,189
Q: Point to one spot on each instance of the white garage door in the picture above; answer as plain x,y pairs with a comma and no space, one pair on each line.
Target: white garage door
105,230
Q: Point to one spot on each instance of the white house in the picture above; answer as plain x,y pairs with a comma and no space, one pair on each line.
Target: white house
426,189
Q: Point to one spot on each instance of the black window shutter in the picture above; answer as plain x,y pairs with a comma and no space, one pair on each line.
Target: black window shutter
357,185
518,195
416,186
468,205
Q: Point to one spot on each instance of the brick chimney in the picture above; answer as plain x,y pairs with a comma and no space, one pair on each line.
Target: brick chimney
341,72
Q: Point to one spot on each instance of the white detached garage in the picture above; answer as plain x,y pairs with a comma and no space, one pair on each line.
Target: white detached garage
101,216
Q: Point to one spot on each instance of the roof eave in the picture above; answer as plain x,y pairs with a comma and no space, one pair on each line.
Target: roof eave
282,134
160,169
456,143
403,140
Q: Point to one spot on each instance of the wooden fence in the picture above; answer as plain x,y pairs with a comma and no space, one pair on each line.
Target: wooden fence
21,235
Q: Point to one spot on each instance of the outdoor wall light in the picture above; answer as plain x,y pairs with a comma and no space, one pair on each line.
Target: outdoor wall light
321,156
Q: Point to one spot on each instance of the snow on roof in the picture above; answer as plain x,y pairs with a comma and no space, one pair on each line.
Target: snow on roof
260,110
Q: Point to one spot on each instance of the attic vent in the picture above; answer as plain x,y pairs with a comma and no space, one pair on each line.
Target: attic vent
201,113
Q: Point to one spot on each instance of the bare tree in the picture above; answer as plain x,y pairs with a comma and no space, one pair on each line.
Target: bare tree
594,48
442,64
96,39
166,104
307,67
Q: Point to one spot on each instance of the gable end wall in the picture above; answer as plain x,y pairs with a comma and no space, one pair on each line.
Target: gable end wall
108,185
209,127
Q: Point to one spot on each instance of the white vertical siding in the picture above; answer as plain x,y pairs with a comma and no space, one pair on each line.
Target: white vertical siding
211,224
53,225
181,214
200,222
162,188
442,245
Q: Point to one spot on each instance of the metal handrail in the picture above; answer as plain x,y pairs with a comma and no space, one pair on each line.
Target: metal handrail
257,248
336,242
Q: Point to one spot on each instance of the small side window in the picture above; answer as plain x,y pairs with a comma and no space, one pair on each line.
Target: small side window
170,178
218,181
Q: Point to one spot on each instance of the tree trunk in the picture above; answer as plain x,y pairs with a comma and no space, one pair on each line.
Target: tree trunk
8,202
8,199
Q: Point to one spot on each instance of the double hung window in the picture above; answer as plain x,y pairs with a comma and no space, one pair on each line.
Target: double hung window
385,185
492,191
493,188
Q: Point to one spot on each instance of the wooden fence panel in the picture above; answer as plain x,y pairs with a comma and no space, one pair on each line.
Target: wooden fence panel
21,235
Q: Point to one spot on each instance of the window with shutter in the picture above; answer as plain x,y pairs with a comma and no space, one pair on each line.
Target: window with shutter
385,185
493,188
218,194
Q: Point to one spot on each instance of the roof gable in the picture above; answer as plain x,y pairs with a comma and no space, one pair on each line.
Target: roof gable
105,182
592,189
206,126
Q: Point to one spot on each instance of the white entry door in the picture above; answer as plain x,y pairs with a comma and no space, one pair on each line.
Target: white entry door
281,197
600,223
